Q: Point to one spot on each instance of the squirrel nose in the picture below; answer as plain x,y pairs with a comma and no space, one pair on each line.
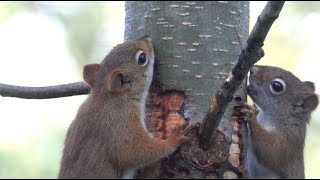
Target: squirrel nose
253,70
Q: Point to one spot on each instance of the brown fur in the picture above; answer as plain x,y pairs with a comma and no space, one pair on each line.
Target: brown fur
277,138
107,138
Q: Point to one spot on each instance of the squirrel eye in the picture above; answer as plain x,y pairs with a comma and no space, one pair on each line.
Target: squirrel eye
277,86
141,58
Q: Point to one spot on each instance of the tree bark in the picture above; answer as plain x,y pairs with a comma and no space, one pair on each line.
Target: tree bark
196,46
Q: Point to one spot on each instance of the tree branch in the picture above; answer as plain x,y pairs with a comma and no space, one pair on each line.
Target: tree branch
249,56
64,90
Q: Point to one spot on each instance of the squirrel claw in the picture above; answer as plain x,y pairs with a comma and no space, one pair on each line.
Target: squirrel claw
190,127
243,111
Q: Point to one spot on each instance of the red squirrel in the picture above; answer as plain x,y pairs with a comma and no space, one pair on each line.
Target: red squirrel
277,132
108,138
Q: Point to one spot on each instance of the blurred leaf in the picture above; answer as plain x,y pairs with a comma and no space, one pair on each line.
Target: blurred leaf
9,8
39,158
304,7
82,22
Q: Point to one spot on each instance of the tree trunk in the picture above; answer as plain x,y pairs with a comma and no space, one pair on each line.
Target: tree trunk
196,46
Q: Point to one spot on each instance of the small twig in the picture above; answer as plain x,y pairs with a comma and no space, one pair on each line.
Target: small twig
64,90
235,29
249,56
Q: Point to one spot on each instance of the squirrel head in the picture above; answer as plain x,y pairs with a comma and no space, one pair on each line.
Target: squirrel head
279,91
127,69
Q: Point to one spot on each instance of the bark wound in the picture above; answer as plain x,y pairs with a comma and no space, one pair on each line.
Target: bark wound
166,114
210,159
237,155
163,116
234,152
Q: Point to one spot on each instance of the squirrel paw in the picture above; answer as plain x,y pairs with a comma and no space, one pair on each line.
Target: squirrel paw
244,111
179,135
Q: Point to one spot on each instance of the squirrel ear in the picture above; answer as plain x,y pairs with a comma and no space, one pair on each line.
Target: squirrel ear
310,102
89,73
118,81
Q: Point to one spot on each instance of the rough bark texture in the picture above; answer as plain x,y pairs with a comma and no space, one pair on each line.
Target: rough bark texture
196,46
